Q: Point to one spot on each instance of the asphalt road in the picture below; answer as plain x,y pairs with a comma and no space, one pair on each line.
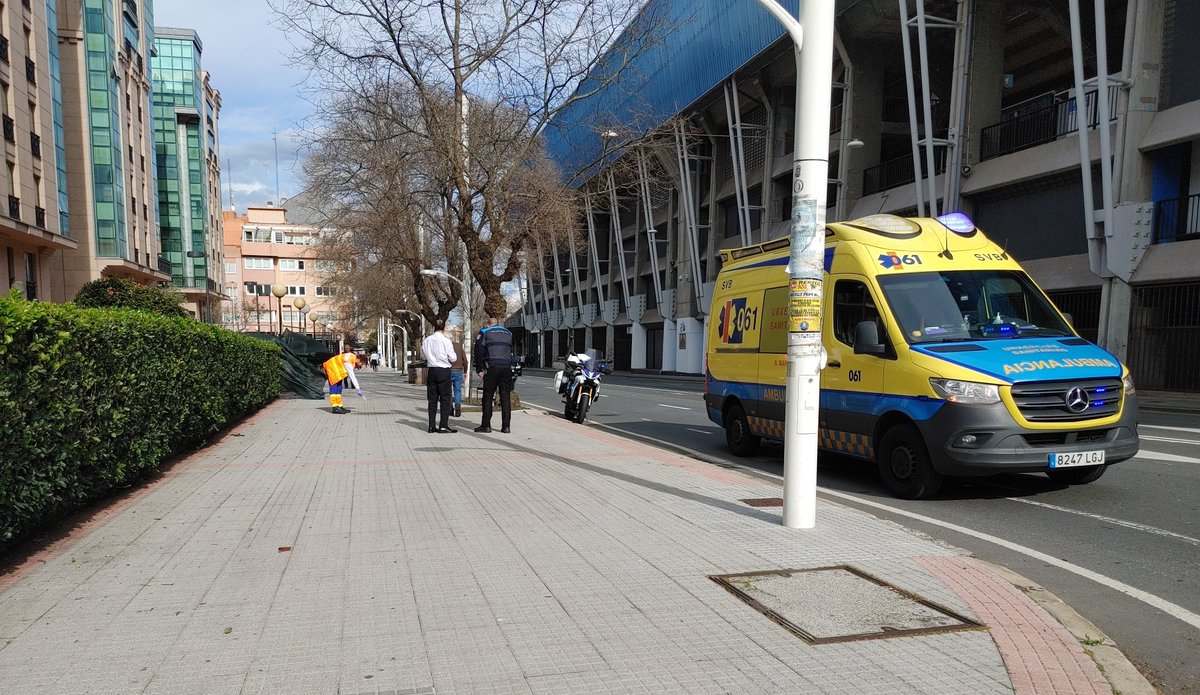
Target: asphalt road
1124,551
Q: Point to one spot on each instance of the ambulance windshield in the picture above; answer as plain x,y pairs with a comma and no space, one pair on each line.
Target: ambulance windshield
954,306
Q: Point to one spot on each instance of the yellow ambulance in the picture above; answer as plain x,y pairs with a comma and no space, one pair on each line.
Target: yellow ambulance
944,359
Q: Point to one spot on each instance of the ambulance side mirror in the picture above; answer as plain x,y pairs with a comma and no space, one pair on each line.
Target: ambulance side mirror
866,339
1070,319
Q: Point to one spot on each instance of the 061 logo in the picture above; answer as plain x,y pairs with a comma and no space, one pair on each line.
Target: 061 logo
892,260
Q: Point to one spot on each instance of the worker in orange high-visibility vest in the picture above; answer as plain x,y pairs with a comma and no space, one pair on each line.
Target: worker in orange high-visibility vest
339,370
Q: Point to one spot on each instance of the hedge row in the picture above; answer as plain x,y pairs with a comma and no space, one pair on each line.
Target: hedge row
91,399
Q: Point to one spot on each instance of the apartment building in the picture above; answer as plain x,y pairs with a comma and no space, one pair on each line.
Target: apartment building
33,235
991,125
263,248
186,112
104,49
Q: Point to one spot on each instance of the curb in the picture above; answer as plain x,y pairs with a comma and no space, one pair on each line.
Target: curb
1121,674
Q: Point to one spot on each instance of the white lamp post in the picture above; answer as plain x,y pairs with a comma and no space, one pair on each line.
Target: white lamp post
430,272
403,355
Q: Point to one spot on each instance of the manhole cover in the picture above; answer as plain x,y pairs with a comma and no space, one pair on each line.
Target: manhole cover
764,502
840,604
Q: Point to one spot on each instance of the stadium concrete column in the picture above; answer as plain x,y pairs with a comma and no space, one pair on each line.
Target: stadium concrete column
1143,49
866,97
637,356
986,78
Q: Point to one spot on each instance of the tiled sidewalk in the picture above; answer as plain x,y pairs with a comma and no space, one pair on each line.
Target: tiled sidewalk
313,553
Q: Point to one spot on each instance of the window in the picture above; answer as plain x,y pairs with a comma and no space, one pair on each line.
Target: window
230,268
326,291
852,304
257,289
296,290
258,263
291,264
256,234
325,266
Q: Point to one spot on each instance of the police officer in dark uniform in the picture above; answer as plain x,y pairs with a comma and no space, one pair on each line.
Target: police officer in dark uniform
493,358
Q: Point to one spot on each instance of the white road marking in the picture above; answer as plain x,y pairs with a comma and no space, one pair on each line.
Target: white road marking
676,407
1174,610
1165,427
693,429
1110,520
1144,455
1169,439
646,419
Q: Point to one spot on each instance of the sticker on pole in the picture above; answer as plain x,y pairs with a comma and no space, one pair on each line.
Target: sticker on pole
804,306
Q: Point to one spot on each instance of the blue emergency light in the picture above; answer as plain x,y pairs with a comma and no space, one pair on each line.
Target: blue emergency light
957,222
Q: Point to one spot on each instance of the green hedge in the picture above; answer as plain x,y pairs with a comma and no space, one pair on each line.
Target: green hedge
92,399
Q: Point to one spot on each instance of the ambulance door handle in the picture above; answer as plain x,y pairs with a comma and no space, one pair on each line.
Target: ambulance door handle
833,364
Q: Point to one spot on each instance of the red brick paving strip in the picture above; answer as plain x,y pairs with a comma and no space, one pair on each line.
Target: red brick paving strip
1039,653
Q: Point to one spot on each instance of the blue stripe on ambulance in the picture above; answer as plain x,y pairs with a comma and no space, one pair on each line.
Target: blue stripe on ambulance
918,408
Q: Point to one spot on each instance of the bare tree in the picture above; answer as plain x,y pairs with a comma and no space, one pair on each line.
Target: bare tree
470,86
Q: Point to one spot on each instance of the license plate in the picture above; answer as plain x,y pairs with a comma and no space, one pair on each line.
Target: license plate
1077,458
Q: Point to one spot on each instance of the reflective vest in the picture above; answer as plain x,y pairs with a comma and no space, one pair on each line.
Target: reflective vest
335,368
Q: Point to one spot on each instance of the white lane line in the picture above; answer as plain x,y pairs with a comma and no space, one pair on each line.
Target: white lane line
693,429
646,419
1145,455
1174,610
1168,439
1166,427
1110,520
676,407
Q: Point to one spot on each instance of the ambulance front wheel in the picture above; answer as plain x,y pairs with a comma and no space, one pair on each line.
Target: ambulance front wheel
741,441
905,466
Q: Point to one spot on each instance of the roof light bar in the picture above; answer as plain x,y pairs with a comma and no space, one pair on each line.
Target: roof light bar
887,223
957,222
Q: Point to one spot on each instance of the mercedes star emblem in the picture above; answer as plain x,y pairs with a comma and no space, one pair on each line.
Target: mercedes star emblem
1077,400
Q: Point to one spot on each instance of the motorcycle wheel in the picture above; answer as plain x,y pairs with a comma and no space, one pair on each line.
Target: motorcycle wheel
581,410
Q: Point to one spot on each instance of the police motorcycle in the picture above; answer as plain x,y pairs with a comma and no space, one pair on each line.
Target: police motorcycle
579,383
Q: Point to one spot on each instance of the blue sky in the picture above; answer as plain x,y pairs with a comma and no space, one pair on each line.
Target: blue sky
249,61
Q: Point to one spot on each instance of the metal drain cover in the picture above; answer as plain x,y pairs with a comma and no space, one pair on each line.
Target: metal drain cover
840,604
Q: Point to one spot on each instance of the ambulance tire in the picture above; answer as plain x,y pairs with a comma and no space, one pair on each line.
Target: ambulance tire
738,435
905,466
1077,476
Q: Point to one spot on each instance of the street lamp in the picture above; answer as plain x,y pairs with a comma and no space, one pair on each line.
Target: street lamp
315,319
299,303
303,315
279,290
403,355
430,272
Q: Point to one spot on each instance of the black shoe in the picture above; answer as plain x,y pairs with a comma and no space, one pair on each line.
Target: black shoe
484,430
505,430
447,430
457,411
338,411
432,430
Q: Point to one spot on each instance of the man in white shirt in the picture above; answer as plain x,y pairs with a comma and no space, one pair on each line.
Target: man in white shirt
439,356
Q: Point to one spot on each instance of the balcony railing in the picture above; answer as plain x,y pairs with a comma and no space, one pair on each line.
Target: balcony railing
164,265
1042,125
14,207
35,145
899,171
1177,219
10,129
39,217
4,48
197,284
31,71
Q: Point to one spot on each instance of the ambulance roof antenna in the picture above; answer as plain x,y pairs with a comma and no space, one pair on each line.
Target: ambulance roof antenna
945,252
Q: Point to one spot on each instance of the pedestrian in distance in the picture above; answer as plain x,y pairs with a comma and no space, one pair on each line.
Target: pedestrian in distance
457,370
494,365
439,355
339,372
375,361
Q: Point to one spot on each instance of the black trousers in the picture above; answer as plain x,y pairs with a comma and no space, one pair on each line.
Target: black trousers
497,378
437,390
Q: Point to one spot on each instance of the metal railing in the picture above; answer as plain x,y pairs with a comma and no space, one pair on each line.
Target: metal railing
1164,332
35,145
899,171
1084,308
31,71
164,265
1177,219
14,207
10,129
39,217
4,48
1042,125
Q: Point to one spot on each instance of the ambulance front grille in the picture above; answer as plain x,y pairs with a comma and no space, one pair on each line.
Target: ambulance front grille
1067,401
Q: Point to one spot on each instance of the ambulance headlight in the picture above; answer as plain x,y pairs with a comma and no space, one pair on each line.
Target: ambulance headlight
965,391
1127,384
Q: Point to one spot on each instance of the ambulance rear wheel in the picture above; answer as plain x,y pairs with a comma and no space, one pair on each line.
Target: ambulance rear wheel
905,466
1076,476
741,440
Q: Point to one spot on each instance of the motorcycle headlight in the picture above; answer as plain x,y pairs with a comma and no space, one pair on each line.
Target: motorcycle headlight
965,391
1127,384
